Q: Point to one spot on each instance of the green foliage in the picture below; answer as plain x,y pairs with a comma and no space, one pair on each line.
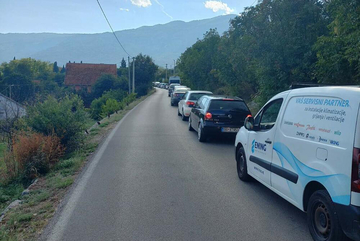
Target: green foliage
145,71
97,104
55,67
339,52
20,86
110,107
107,82
274,44
63,70
29,78
59,79
123,63
66,118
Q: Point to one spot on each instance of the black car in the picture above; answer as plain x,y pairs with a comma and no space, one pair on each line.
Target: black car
214,115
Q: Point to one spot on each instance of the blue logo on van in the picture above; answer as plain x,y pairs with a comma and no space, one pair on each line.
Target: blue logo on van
258,146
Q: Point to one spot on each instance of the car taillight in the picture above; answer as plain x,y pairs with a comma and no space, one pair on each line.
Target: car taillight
190,103
355,174
208,116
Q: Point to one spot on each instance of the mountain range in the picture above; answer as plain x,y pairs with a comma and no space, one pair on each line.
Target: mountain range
163,42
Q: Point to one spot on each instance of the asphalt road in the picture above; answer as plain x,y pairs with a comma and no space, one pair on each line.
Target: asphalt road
152,180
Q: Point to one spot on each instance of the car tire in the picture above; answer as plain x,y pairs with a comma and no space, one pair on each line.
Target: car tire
241,165
201,134
322,218
179,112
189,125
183,117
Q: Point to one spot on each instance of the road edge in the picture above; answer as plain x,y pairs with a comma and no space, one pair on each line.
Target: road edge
55,228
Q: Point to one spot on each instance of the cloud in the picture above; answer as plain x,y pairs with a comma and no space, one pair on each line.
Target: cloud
141,3
218,6
124,9
163,9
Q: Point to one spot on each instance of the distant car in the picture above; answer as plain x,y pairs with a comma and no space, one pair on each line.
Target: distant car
171,88
162,85
180,86
188,102
177,95
217,115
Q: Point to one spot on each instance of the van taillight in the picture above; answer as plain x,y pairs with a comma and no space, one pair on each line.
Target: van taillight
208,116
355,173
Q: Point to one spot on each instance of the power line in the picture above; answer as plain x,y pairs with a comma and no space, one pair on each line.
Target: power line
112,28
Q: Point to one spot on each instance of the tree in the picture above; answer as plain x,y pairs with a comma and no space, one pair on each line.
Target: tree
55,67
145,71
123,63
104,83
20,87
339,52
63,70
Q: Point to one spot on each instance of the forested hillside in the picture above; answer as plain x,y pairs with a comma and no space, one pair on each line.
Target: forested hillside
277,43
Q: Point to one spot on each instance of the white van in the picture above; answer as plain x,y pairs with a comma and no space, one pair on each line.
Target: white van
304,144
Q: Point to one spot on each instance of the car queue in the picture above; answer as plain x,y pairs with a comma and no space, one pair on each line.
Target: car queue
303,144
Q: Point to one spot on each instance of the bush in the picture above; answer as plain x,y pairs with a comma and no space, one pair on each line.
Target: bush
130,98
110,107
66,118
97,111
35,153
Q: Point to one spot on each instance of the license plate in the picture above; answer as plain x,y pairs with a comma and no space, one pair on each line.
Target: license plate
228,129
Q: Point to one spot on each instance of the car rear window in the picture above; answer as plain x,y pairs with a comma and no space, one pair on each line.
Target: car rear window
235,105
196,96
179,94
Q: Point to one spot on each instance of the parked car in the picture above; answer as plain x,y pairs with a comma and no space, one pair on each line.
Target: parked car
177,95
304,145
171,88
188,102
217,115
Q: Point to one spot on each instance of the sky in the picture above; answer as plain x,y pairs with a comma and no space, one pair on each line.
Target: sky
85,16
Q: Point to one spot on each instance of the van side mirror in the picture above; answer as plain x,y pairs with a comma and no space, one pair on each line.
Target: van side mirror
249,123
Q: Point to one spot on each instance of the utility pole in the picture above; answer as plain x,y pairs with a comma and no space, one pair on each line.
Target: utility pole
174,67
129,74
166,78
133,89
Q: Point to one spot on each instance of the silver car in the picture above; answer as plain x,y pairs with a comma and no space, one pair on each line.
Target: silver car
188,101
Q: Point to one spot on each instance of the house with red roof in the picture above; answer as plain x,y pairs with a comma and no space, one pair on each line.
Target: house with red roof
83,76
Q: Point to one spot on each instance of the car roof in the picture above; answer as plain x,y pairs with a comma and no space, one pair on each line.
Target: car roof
220,97
199,91
182,90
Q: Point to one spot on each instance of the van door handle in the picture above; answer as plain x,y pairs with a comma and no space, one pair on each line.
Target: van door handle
268,141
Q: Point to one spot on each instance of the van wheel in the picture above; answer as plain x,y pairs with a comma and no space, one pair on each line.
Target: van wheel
241,165
201,134
322,218
189,125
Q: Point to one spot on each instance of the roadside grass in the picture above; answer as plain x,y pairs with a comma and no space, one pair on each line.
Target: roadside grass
27,221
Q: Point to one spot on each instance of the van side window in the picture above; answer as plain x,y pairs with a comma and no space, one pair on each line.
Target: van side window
270,114
197,105
202,104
